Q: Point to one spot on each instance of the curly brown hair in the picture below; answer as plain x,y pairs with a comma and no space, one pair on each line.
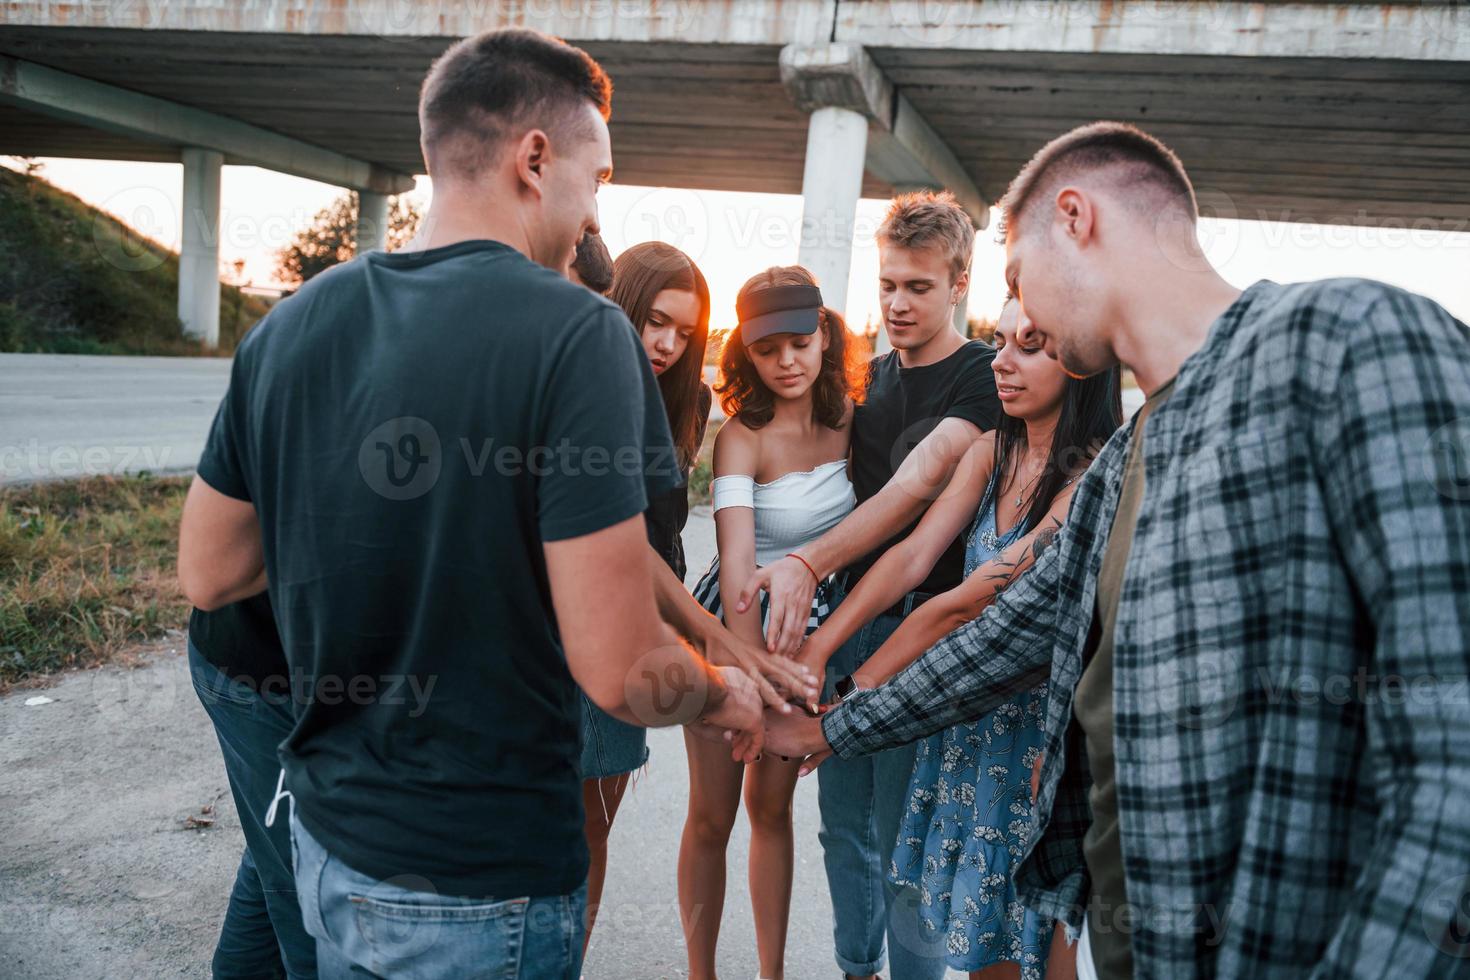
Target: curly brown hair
744,395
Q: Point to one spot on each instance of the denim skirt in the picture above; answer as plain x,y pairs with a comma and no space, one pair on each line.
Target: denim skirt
609,747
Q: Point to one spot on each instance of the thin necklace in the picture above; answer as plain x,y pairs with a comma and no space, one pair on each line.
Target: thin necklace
1022,492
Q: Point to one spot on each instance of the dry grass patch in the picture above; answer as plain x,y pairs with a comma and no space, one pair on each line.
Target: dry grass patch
87,569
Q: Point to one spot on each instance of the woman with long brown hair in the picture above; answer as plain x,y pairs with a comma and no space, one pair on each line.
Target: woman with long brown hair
667,300
665,296
788,382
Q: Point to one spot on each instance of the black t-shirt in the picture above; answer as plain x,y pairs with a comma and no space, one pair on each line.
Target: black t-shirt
241,639
668,512
902,406
411,428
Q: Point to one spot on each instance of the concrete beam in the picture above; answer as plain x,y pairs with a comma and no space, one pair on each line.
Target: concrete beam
1434,30
1406,30
81,100
902,148
199,246
689,21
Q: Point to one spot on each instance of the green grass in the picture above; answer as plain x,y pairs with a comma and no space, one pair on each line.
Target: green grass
704,466
87,569
74,280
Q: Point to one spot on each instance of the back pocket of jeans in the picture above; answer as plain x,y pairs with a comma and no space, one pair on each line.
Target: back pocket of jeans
445,935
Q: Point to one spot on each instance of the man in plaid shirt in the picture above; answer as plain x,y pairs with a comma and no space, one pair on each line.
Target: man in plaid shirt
1258,738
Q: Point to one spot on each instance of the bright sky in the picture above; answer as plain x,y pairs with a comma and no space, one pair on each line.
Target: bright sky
731,236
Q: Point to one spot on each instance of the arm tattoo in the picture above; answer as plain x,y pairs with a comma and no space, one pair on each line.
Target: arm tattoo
1044,538
1005,573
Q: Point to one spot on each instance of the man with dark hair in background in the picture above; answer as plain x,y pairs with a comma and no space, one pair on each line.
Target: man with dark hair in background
1257,748
240,674
439,458
593,265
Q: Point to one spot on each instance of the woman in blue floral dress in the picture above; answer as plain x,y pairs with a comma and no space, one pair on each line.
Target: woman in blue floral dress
968,819
967,823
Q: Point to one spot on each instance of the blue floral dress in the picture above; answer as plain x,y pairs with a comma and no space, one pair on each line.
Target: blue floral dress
969,817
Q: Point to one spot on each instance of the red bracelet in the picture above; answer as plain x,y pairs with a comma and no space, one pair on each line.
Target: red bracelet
792,554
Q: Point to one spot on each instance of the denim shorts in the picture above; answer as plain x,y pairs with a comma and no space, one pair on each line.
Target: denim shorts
609,747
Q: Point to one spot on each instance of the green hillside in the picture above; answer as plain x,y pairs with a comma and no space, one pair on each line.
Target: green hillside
74,280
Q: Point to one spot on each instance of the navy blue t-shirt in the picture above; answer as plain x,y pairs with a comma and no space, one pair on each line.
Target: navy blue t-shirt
902,406
411,428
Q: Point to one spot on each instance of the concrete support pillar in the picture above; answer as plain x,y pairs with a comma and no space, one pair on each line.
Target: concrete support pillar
372,221
199,246
831,184
860,122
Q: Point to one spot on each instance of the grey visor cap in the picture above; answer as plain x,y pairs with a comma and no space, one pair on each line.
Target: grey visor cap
779,309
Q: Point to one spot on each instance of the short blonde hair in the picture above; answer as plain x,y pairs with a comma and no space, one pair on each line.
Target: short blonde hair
925,219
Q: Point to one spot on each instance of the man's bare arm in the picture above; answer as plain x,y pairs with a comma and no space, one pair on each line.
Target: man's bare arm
220,555
922,478
621,652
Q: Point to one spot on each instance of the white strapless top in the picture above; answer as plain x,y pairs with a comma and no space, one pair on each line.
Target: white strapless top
790,510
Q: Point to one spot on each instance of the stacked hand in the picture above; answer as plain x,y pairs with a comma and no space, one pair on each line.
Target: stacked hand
787,672
789,585
798,735
738,718
751,729
778,679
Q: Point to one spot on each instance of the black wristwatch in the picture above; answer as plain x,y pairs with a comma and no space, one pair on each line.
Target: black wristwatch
845,688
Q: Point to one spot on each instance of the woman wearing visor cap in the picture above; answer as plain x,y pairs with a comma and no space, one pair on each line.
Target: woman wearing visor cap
788,381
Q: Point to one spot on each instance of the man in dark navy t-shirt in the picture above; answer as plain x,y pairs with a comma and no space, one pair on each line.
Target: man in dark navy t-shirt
439,460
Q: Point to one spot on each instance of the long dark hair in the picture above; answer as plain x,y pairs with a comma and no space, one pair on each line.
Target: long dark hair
1092,410
639,275
744,395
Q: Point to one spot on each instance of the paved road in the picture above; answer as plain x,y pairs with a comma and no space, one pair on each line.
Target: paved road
96,876
99,877
65,416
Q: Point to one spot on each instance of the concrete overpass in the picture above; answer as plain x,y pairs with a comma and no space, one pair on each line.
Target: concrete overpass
1307,111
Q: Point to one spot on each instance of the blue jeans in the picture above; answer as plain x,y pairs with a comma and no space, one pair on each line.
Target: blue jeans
262,934
370,928
861,801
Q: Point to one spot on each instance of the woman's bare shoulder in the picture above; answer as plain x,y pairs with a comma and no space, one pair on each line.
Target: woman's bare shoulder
737,448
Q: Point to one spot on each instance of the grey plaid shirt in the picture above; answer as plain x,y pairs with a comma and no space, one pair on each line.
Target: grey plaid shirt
1292,725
